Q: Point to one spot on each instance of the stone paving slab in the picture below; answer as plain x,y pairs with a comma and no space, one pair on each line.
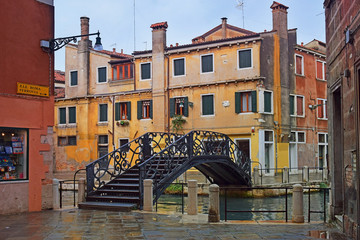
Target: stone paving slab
94,224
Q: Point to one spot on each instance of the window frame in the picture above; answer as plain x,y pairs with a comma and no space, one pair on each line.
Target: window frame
295,105
323,70
254,95
97,75
201,61
67,116
213,98
302,65
102,144
238,58
70,78
173,62
127,105
173,106
262,101
66,141
123,66
119,139
324,108
99,113
325,144
140,71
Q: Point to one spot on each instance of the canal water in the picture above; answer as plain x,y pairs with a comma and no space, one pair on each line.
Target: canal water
250,204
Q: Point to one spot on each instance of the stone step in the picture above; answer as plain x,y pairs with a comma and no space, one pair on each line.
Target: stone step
107,198
110,206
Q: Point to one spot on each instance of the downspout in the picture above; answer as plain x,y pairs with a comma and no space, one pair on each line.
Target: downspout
168,94
113,122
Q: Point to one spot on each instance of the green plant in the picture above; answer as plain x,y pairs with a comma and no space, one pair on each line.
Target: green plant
173,189
177,123
124,123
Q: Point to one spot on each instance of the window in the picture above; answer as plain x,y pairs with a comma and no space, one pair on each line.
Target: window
67,141
266,151
245,102
320,70
103,144
102,75
122,142
144,109
322,149
67,115
179,67
13,154
297,106
179,106
322,109
145,71
207,63
103,112
122,111
295,138
73,78
245,58
123,71
265,102
207,104
299,64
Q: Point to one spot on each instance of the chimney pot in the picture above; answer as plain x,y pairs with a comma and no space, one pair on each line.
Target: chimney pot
84,24
122,51
223,27
114,50
171,45
177,44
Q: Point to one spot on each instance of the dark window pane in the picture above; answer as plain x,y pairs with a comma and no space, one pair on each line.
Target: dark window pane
126,70
268,136
145,71
117,111
62,141
102,74
208,105
267,102
206,63
72,114
292,107
103,112
179,67
114,73
121,71
245,59
73,78
131,70
72,140
62,113
301,137
102,150
103,139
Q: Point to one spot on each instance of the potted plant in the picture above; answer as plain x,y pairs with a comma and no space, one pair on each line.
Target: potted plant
177,123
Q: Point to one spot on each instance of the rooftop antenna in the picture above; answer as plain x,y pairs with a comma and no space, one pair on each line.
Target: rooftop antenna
134,29
145,45
240,4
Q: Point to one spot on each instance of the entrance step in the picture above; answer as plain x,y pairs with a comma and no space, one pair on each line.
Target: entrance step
110,206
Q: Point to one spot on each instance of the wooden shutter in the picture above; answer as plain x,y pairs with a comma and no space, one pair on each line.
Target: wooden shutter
299,106
72,114
62,117
172,107
139,109
186,106
267,102
298,63
237,102
151,109
128,105
292,110
207,105
253,101
117,111
320,109
319,70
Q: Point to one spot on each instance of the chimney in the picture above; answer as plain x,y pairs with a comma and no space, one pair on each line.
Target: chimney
223,26
114,50
279,13
84,23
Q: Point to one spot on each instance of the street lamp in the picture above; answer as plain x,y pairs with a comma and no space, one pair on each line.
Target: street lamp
57,43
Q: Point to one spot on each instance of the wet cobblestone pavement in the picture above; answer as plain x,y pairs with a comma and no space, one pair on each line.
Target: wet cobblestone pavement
93,224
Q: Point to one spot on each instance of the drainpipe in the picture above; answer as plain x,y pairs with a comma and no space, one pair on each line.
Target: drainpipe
168,93
113,122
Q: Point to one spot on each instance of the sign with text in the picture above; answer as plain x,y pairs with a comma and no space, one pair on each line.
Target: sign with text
30,89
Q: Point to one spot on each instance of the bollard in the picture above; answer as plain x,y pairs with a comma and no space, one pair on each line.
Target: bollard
56,194
81,190
298,204
256,176
192,197
305,174
214,204
148,195
285,175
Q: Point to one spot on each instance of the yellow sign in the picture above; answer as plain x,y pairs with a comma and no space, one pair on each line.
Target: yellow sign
30,89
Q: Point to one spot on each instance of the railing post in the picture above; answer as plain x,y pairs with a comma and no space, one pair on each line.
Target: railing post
56,194
192,197
306,174
285,175
146,147
81,190
256,176
148,195
214,204
298,204
190,142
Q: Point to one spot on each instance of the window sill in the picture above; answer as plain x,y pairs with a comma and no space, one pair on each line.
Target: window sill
297,116
102,123
299,75
208,116
143,80
66,125
321,80
14,181
267,113
323,119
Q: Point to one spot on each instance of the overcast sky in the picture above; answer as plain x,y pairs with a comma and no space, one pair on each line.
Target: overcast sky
186,19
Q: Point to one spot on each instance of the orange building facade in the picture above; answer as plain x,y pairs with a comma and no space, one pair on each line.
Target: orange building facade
27,105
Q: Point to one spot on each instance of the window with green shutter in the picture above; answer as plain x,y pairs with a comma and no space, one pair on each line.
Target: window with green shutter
103,112
207,62
179,66
245,102
102,75
145,71
267,101
144,109
122,111
72,114
179,106
62,115
245,58
73,78
207,104
292,109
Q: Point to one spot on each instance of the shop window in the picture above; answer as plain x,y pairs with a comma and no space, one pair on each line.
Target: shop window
102,75
320,70
179,66
13,154
299,64
103,112
144,109
322,109
73,78
245,58
103,145
179,106
207,102
67,115
145,71
207,63
67,141
122,71
122,111
245,102
297,106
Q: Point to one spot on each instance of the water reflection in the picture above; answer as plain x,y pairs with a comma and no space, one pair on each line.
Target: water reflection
246,204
